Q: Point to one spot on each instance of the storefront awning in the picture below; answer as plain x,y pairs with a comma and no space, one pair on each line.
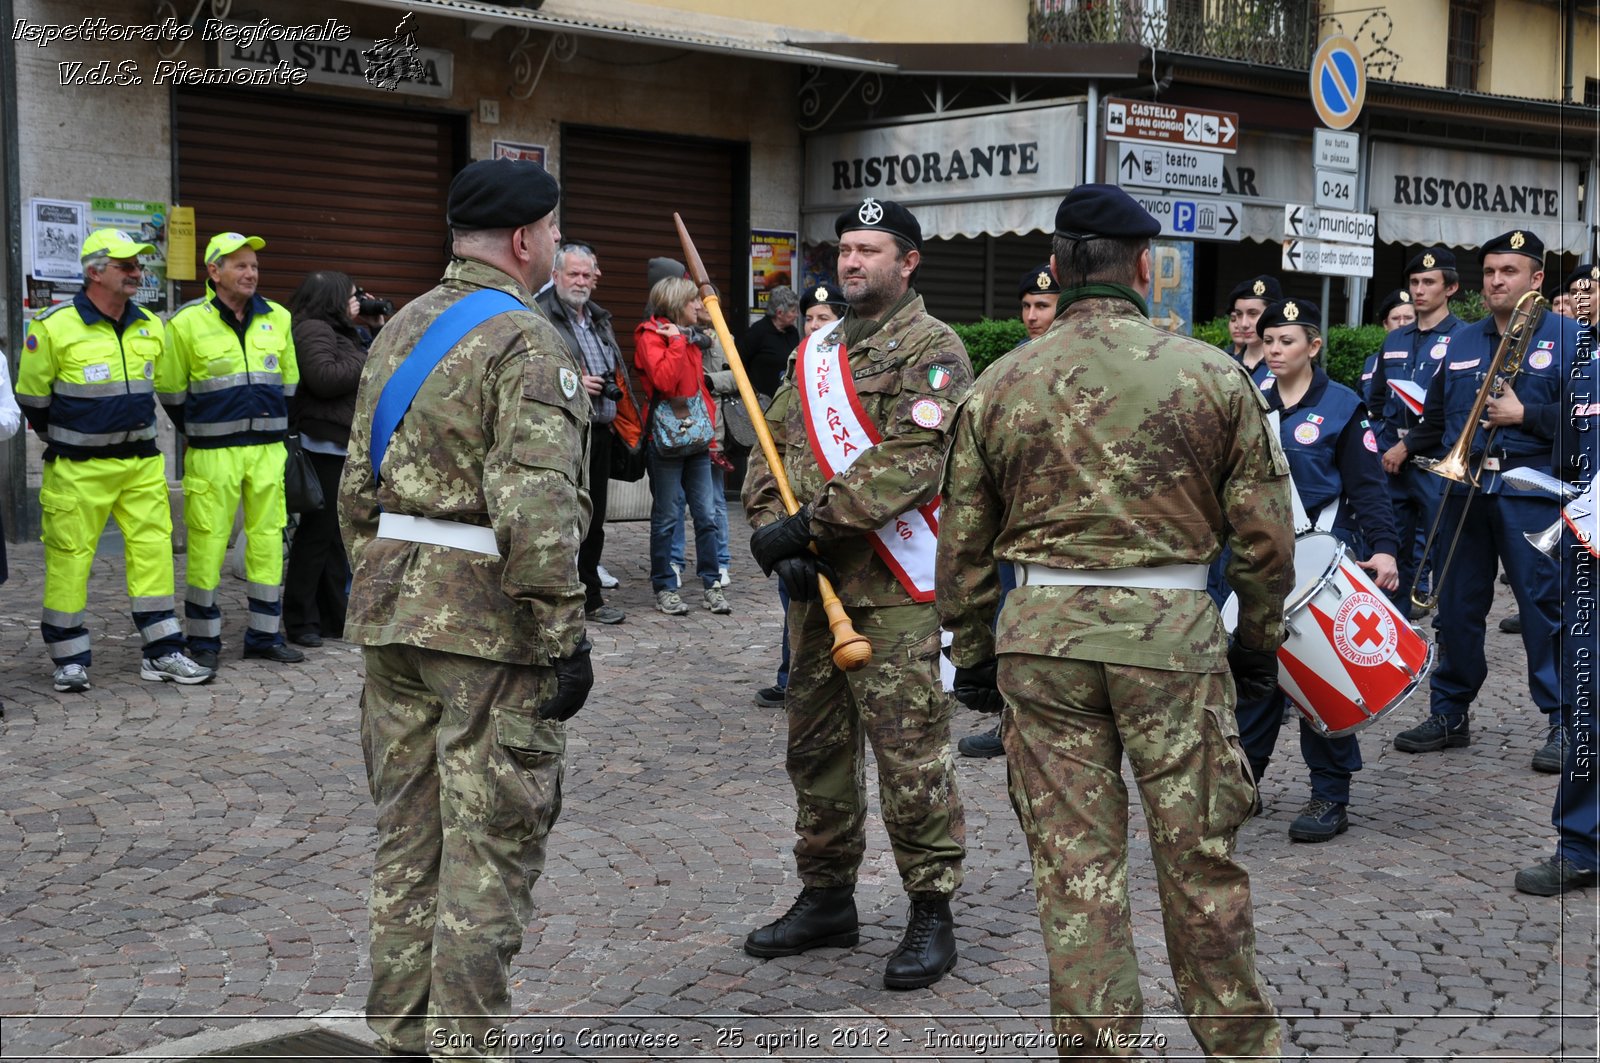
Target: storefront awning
644,23
982,172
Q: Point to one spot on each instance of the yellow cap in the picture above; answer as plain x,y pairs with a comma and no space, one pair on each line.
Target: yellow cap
224,244
115,243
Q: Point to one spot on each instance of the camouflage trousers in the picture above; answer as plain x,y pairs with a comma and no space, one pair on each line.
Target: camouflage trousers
896,703
1066,728
467,780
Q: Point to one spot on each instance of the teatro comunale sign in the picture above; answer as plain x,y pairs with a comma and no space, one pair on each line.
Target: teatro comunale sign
963,175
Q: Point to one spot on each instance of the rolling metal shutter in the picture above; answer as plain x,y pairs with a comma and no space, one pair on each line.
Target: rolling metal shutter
328,185
618,193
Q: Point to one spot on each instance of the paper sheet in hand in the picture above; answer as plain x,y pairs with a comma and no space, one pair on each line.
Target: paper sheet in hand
1410,394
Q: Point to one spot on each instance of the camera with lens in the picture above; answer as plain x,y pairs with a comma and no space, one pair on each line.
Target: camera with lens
611,391
372,306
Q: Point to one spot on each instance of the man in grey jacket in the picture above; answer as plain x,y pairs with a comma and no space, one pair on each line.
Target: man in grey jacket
586,326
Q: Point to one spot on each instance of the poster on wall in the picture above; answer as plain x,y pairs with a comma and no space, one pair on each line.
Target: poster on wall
774,257
56,232
505,149
146,222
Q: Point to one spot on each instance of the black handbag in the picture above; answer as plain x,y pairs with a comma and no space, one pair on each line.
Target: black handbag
302,488
628,464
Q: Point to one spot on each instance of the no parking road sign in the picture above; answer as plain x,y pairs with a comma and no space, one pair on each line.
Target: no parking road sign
1338,82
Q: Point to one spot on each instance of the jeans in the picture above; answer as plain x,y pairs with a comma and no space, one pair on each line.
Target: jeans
671,478
720,500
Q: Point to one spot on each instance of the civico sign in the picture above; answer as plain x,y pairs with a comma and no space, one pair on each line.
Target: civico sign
1194,217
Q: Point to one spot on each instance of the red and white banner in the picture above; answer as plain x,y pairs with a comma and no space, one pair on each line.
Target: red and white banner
840,432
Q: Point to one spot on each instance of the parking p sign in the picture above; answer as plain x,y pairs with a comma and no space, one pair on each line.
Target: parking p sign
1338,82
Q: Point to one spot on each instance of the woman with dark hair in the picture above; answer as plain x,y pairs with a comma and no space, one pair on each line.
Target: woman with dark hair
331,355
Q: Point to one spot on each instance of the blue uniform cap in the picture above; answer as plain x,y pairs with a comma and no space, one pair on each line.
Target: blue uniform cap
1290,312
1398,297
1515,242
1038,281
1435,257
819,294
1264,287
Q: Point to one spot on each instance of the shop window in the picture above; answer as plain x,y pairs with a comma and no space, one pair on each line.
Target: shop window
1591,92
1464,55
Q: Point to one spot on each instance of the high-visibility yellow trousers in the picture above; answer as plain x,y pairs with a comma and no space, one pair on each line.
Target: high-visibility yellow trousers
76,499
215,481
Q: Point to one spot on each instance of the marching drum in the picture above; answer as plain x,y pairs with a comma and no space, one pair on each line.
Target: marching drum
1349,656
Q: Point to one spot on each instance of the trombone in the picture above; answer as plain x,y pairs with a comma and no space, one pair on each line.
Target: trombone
1503,368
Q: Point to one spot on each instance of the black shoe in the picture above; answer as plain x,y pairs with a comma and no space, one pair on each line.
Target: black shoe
1555,875
1512,625
770,697
929,948
820,918
987,744
204,658
1319,821
1436,732
1552,756
280,653
306,638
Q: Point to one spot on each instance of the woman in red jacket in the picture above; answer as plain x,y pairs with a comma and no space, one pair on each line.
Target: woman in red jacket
672,370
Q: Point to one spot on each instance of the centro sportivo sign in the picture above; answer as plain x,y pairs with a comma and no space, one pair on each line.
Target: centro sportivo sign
995,166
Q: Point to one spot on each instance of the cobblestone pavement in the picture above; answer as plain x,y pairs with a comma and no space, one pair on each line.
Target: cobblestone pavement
176,860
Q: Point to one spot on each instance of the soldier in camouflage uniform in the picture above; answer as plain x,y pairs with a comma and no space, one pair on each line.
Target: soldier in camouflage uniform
467,602
1104,463
911,374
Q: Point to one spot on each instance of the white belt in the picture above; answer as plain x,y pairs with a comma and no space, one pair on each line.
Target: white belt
1163,577
451,533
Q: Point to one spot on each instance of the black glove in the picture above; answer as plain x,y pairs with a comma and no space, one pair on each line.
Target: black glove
799,576
789,537
978,688
574,680
1255,672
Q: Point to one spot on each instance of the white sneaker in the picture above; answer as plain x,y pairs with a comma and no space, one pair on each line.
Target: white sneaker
723,579
177,668
607,580
72,678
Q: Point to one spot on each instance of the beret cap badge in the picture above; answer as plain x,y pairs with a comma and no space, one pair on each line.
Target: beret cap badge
1291,311
1259,287
1517,240
1428,260
1405,297
1043,280
871,213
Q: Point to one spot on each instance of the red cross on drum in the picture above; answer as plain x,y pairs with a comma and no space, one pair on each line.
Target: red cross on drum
1349,656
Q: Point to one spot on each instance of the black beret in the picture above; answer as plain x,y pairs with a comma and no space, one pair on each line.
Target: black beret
1264,287
1038,281
1432,258
1290,312
1588,273
501,194
1398,297
1516,242
822,294
1091,211
880,215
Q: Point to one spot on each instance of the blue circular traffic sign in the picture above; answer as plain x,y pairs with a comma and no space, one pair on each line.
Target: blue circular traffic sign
1338,82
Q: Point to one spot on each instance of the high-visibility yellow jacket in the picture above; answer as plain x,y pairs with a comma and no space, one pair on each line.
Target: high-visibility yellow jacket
228,383
86,382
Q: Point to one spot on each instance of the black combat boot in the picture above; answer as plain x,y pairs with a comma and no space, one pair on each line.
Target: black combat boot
820,918
929,948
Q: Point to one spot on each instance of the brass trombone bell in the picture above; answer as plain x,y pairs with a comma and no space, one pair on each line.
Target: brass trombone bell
1546,541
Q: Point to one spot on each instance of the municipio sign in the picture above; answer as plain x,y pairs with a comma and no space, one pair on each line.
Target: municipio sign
1163,123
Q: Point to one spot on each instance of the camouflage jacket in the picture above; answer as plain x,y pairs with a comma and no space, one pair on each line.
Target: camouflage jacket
1109,443
893,370
498,436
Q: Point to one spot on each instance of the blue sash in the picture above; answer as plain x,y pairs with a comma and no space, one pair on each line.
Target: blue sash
447,330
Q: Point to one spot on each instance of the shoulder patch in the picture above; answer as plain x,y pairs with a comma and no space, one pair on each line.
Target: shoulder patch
546,380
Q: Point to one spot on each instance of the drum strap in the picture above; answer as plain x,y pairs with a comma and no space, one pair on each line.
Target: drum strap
1302,520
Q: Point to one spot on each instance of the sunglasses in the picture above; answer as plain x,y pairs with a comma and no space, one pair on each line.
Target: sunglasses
127,267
